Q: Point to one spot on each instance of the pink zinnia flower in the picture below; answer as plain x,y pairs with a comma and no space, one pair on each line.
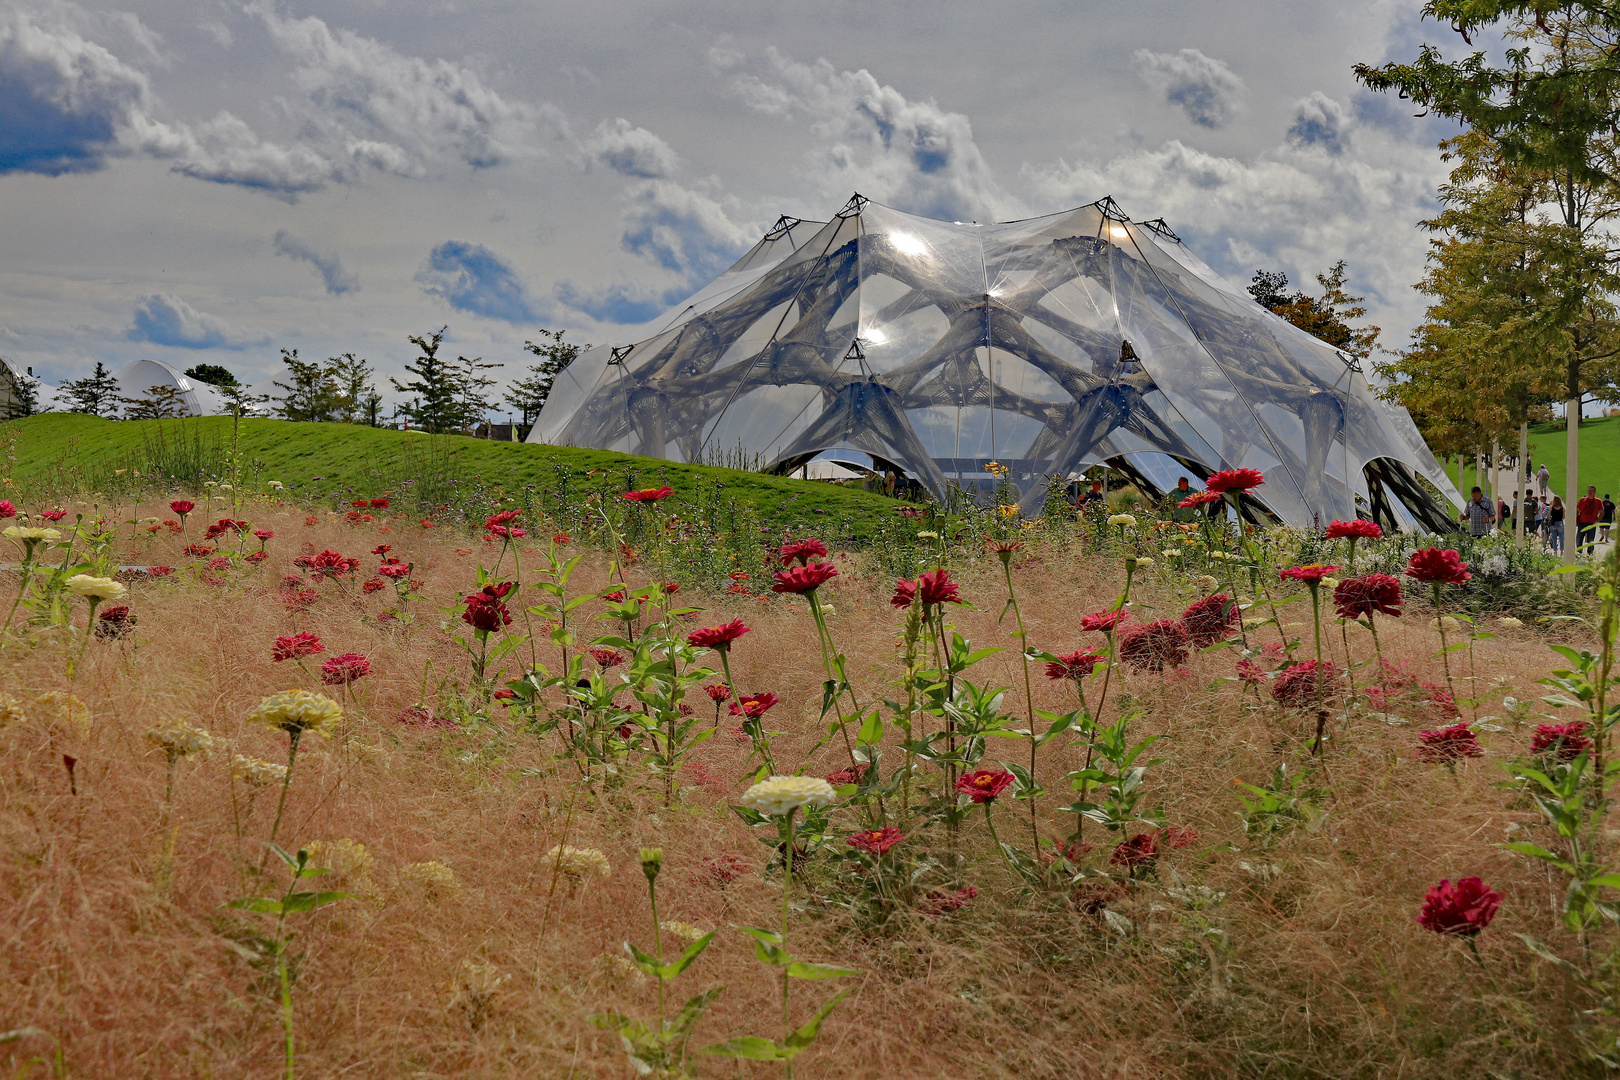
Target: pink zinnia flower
649,494
344,668
182,506
718,692
1308,574
1210,620
330,563
53,515
849,775
607,657
1075,665
1155,646
984,784
257,556
876,841
1566,742
1234,480
938,903
1357,597
1465,908
219,562
7,510
1360,528
1104,621
753,706
1448,744
803,579
936,587
1197,499
264,534
801,551
904,593
1435,565
294,646
394,570
1302,686
717,637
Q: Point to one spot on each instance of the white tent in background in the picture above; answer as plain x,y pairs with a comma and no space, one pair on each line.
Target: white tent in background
136,379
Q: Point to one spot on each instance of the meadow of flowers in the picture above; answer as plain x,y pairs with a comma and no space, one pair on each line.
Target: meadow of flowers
299,791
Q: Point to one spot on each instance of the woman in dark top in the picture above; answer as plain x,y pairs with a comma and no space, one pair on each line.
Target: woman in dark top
1555,526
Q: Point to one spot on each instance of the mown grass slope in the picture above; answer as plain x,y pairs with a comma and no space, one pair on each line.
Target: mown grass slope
1600,455
60,453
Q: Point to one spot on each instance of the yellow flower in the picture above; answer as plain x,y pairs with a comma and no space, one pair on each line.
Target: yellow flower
1008,511
95,588
29,535
685,931
434,878
257,773
298,710
1171,553
780,795
345,858
578,864
1508,622
180,740
1142,562
1122,519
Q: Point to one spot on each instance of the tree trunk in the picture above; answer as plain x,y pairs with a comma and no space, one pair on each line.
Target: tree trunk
1496,478
1522,479
1572,474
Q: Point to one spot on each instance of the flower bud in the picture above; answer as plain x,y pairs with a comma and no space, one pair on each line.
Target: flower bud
652,861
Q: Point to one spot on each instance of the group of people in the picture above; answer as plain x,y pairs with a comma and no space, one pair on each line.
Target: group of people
1544,516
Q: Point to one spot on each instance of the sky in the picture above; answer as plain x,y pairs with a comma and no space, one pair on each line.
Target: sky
212,182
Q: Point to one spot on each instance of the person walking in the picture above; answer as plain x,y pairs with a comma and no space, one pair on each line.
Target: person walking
1606,521
1587,511
1555,525
1479,514
1543,477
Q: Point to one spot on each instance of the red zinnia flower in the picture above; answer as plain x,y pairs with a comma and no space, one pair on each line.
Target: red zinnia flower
257,556
718,692
801,551
421,716
381,549
753,706
846,776
938,903
562,538
1197,499
159,571
904,593
182,506
1104,620
379,504
1356,597
296,645
607,657
361,503
197,551
1250,672
1210,620
803,579
58,515
505,517
1360,528
344,668
115,622
1139,850
1234,480
504,694
7,510
1302,686
936,587
1448,744
1155,646
649,494
717,637
1564,741
1178,837
1075,665
876,841
485,612
1307,574
330,563
985,784
394,570
219,562
1465,908
1435,565
373,585
264,534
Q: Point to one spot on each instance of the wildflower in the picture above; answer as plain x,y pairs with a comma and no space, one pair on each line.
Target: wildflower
298,711
801,551
330,563
1197,499
1358,597
1104,620
1439,567
876,841
754,706
846,776
1239,480
296,645
1448,744
379,504
256,773
344,668
717,637
1465,908
649,494
803,579
938,903
433,878
1075,665
182,507
984,785
781,795
578,865
180,740
372,585
1310,575
1359,528
1125,520
1210,620
607,657
95,588
1302,685
1565,742
718,692
1139,850
115,622
1155,646
485,612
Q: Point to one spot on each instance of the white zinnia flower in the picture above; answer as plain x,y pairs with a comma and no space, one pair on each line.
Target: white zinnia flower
1510,623
780,795
434,878
298,710
95,588
1122,519
1143,560
180,740
30,533
578,864
257,773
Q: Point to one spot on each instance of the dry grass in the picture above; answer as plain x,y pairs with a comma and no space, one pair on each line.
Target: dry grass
1312,969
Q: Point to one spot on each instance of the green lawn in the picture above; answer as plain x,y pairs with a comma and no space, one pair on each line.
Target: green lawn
1600,455
62,453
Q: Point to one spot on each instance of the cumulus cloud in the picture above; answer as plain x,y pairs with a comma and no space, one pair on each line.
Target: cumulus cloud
337,279
631,151
472,278
622,302
1203,88
165,319
913,155
1320,121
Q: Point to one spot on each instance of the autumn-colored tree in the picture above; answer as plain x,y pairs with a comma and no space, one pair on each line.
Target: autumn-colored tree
1330,317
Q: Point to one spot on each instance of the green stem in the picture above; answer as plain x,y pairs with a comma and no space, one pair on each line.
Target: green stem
658,947
1029,701
1445,652
293,736
787,889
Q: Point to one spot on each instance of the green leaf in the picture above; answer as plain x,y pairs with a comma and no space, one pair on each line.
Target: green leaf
687,1019
801,970
807,1034
263,904
751,1047
871,730
1604,881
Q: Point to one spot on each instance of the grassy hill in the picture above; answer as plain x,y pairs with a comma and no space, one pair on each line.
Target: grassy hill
57,454
1600,455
